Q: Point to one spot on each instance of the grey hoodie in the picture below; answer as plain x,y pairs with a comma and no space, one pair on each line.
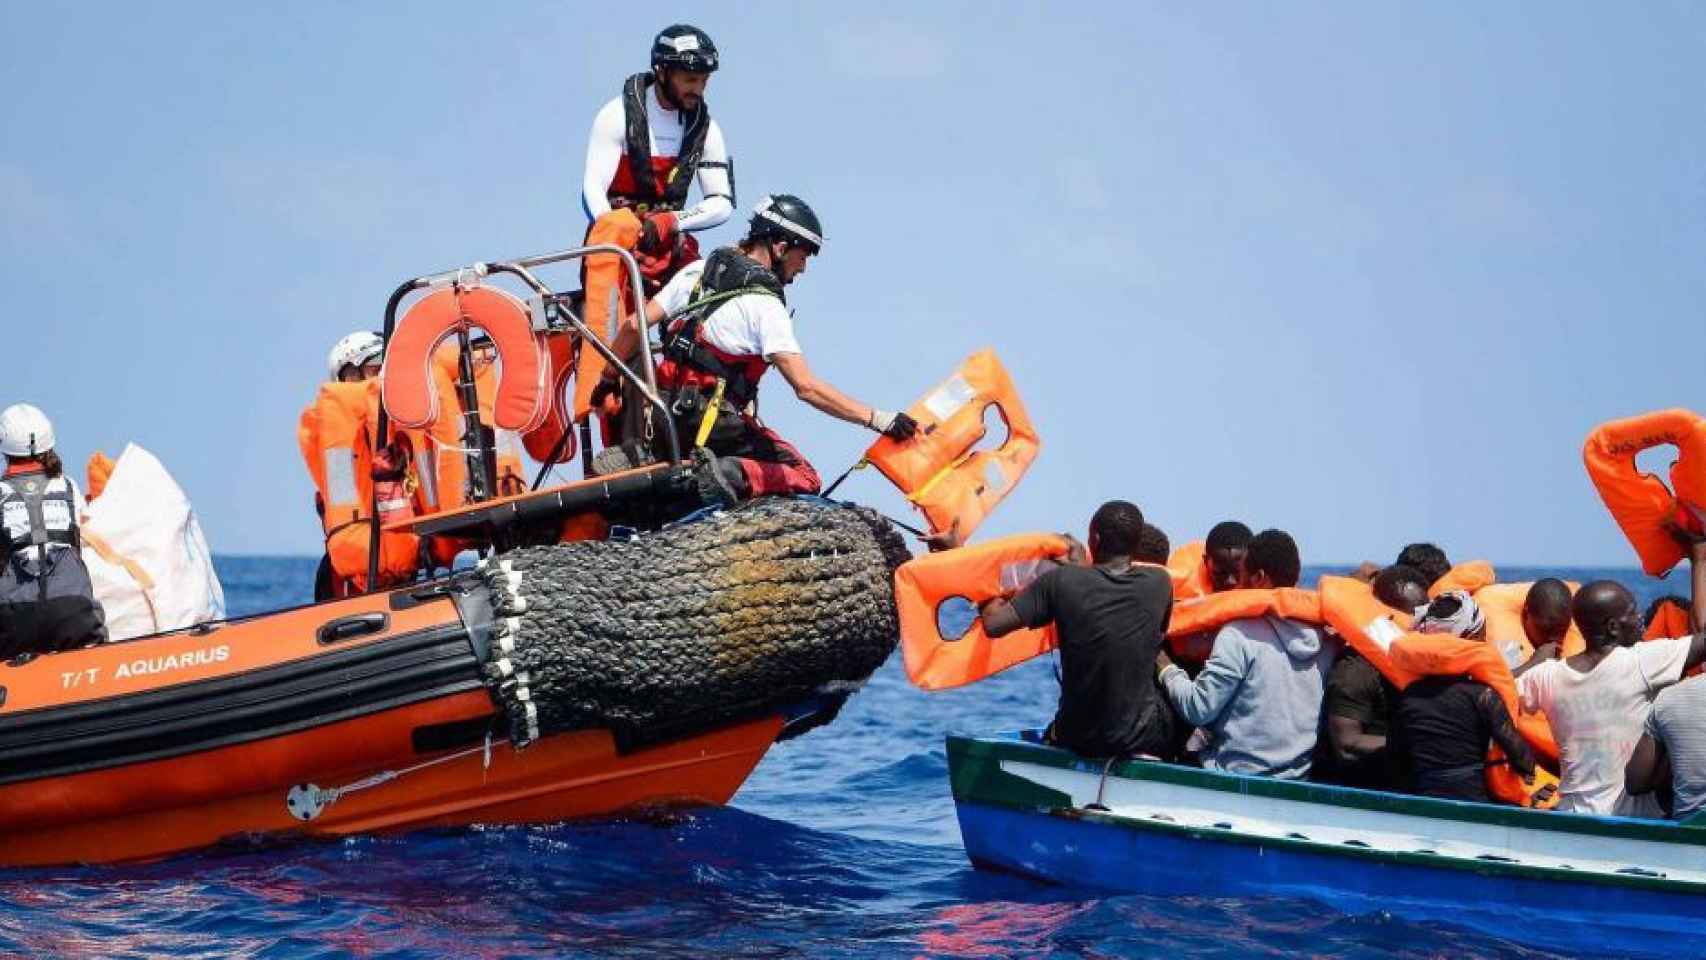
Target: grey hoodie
1259,696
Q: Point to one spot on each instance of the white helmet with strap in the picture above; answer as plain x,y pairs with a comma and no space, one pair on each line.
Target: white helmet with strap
358,349
25,431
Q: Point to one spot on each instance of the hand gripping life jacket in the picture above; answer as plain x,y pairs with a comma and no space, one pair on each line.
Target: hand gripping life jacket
976,573
1501,604
336,436
692,361
1641,503
608,296
1188,566
1468,577
411,390
655,183
938,469
1383,636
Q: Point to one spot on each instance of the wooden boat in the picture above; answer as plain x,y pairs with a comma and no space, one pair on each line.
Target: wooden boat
1548,879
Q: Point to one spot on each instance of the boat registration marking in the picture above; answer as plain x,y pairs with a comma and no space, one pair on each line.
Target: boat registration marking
147,666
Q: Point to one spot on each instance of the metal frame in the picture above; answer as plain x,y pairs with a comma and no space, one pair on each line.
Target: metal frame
644,380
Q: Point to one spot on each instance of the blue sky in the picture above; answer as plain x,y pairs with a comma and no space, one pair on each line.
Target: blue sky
1368,272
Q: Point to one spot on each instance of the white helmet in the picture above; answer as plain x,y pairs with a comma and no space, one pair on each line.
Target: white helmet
24,431
359,348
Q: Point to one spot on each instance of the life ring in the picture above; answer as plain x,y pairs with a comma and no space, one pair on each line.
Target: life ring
410,391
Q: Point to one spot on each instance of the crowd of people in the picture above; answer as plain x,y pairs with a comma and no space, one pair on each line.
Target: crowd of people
1279,697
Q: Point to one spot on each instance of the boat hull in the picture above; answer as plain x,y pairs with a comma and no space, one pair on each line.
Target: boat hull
1014,816
277,728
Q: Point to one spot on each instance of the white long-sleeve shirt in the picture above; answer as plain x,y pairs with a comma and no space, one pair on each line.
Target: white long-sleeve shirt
607,144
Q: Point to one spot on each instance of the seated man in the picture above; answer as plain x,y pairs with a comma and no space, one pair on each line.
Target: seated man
1111,618
1427,558
1672,749
1445,723
1354,752
1259,694
1598,700
1152,546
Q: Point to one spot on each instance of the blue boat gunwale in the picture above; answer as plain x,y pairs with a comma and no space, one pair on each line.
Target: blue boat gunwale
972,784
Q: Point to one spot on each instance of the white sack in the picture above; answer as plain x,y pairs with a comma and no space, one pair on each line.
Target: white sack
143,517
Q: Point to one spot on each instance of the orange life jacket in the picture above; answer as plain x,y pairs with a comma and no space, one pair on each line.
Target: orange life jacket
1468,577
607,285
1188,566
938,469
1672,620
1641,503
512,474
336,436
976,573
97,472
1383,636
1501,604
549,436
1203,613
411,385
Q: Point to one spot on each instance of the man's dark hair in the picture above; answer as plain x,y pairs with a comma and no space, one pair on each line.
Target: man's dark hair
1399,585
1548,603
1427,558
1680,602
1228,535
1117,527
1274,553
1152,545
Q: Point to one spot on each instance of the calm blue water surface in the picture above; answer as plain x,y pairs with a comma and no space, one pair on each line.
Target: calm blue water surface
843,844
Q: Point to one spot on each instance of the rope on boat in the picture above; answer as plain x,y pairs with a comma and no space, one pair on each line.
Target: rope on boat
699,623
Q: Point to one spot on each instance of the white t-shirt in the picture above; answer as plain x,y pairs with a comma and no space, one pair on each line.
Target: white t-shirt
750,325
1597,718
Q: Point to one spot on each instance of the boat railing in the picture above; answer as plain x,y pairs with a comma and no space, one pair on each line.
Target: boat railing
556,311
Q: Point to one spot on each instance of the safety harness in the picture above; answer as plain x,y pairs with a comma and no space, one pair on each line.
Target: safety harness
26,500
639,153
728,274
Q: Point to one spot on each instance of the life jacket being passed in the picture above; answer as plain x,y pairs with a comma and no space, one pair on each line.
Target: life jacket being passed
643,181
692,361
1641,503
411,387
1383,636
1672,620
1469,577
1188,567
1501,604
975,573
336,436
939,469
1209,612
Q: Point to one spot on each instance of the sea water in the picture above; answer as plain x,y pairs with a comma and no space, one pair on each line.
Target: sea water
842,844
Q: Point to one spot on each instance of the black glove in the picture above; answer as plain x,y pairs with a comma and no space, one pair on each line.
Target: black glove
902,428
603,388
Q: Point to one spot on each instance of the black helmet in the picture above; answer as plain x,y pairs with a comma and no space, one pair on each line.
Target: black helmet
684,47
783,216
